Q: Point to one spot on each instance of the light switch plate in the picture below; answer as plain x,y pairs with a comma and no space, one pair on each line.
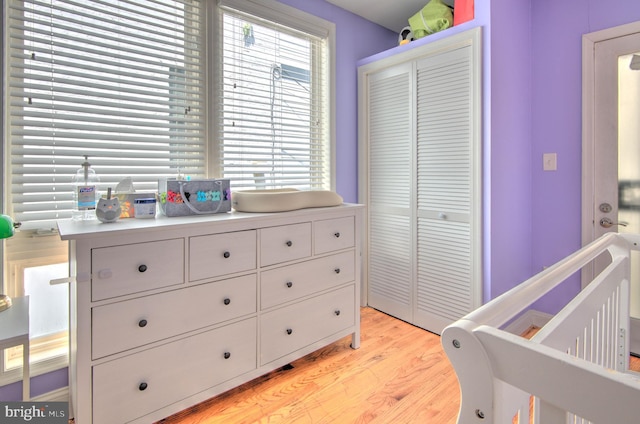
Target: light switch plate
550,161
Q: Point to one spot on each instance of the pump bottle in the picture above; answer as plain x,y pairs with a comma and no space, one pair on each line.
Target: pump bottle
85,192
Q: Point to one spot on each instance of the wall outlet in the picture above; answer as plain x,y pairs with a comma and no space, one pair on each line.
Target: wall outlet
550,161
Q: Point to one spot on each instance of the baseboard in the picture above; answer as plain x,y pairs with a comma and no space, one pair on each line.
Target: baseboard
531,318
58,395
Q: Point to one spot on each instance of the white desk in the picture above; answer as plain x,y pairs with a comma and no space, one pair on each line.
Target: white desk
14,331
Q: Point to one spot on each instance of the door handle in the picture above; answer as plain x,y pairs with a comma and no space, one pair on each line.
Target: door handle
608,223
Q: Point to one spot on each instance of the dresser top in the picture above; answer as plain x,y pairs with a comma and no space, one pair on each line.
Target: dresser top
73,230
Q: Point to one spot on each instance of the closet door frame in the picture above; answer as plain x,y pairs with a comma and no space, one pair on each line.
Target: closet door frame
471,38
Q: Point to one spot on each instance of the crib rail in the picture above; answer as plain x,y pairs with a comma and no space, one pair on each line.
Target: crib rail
576,364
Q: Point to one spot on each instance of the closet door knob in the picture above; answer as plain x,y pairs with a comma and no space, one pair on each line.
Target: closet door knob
337,270
227,355
289,331
227,301
142,268
337,235
289,284
289,243
337,312
142,386
142,323
226,255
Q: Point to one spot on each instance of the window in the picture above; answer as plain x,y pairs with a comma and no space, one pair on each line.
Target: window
31,261
273,120
119,81
150,89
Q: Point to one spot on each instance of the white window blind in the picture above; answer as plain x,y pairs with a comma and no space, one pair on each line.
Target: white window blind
120,81
273,116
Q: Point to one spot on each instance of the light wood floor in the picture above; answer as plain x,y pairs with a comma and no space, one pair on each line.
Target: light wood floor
400,374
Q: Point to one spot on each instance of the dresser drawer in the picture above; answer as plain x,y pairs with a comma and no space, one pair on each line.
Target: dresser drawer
220,254
285,243
286,330
134,268
333,234
125,325
290,282
136,385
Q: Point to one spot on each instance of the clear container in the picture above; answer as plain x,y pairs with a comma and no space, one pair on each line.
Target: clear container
85,192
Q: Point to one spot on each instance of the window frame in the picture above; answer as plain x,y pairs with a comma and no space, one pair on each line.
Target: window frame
285,15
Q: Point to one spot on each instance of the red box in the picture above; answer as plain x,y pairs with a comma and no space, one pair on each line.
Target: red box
462,11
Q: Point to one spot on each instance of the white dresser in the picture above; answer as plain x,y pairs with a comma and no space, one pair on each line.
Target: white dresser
167,313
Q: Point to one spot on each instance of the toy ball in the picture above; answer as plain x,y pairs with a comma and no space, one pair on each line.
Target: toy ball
405,36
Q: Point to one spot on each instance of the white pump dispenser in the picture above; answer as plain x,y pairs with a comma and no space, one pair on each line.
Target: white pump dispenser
85,192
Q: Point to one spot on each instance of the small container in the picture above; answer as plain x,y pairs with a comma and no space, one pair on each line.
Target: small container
145,207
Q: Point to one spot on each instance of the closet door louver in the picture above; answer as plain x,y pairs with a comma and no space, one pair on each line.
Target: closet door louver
390,188
444,188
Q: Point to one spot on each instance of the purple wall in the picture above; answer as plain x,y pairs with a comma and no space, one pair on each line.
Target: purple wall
39,385
508,191
557,29
356,38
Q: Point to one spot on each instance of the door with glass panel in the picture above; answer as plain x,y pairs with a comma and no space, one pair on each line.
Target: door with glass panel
615,165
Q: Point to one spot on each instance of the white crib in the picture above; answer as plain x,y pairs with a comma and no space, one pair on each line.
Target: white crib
574,370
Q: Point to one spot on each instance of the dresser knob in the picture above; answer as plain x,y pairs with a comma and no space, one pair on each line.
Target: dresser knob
289,284
337,312
227,355
226,255
289,243
337,270
227,301
337,235
142,386
142,323
142,268
289,331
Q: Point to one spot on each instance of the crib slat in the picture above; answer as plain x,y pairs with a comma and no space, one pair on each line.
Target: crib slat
545,413
509,401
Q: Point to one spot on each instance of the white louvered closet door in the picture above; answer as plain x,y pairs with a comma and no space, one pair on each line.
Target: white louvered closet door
390,191
445,189
420,161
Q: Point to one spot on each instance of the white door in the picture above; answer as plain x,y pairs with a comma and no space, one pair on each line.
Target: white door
390,240
612,145
448,187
